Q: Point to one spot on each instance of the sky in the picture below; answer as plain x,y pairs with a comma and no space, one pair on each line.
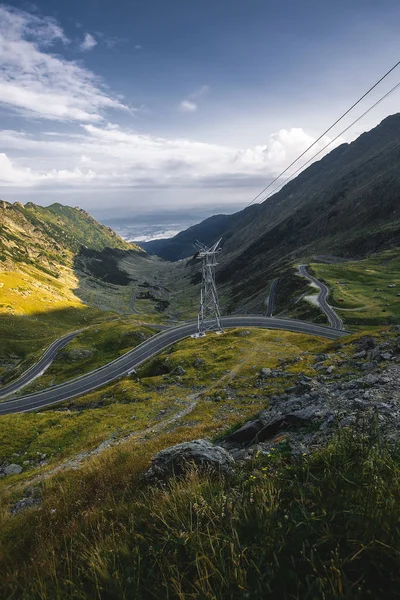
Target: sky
145,107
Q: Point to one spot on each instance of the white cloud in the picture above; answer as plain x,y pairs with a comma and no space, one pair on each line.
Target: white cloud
35,82
89,42
12,175
110,157
188,106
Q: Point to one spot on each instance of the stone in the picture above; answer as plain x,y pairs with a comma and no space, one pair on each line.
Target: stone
386,356
330,369
178,371
265,373
12,469
366,342
32,498
245,434
175,460
198,362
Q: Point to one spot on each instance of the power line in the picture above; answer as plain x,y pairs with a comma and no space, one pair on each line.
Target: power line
325,132
332,141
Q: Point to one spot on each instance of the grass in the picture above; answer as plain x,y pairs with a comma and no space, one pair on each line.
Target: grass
363,287
221,390
324,527
102,342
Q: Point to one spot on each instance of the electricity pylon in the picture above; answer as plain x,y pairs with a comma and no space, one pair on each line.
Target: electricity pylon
209,316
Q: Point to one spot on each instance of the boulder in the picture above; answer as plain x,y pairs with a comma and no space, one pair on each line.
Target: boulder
13,469
175,460
265,373
245,434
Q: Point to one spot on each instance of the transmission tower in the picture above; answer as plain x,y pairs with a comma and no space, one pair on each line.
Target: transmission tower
209,316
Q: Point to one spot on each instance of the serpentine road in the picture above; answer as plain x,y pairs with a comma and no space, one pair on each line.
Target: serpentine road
334,320
38,368
125,365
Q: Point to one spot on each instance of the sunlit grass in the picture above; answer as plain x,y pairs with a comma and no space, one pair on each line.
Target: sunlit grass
359,289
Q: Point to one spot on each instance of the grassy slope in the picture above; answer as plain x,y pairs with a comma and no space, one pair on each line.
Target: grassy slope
278,529
363,287
38,284
229,372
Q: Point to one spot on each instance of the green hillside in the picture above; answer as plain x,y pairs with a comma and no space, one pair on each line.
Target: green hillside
41,288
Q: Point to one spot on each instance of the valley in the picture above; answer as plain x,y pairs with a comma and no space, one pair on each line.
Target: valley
303,380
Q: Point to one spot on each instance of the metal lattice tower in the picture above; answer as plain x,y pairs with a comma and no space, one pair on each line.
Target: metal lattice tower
209,316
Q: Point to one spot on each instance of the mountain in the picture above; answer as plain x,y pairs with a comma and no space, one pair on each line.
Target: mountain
182,245
346,204
54,265
48,236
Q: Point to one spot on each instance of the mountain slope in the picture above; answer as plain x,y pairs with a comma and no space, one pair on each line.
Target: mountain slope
182,245
346,204
41,288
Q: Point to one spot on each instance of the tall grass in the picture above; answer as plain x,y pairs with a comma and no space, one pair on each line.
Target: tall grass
325,527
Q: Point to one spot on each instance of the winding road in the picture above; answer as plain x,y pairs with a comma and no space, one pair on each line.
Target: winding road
38,368
334,320
126,364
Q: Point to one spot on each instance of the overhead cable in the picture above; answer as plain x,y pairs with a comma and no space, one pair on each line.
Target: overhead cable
325,132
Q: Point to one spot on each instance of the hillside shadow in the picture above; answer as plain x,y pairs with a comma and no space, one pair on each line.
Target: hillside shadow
24,337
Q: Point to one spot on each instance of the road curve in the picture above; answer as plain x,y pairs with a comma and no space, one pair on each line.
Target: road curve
38,368
271,298
334,320
125,364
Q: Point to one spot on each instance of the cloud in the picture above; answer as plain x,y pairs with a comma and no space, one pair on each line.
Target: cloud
89,42
188,106
12,175
37,83
109,157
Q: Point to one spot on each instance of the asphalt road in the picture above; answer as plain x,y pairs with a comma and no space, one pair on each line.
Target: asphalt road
38,368
125,364
271,298
334,320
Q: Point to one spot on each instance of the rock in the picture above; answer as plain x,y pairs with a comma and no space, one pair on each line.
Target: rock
178,371
265,373
175,460
361,354
32,498
198,362
330,369
386,356
366,342
245,434
244,333
12,469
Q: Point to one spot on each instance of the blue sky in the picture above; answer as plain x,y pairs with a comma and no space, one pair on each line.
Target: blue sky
134,106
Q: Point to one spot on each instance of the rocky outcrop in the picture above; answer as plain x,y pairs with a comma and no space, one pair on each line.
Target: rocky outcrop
174,461
308,413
